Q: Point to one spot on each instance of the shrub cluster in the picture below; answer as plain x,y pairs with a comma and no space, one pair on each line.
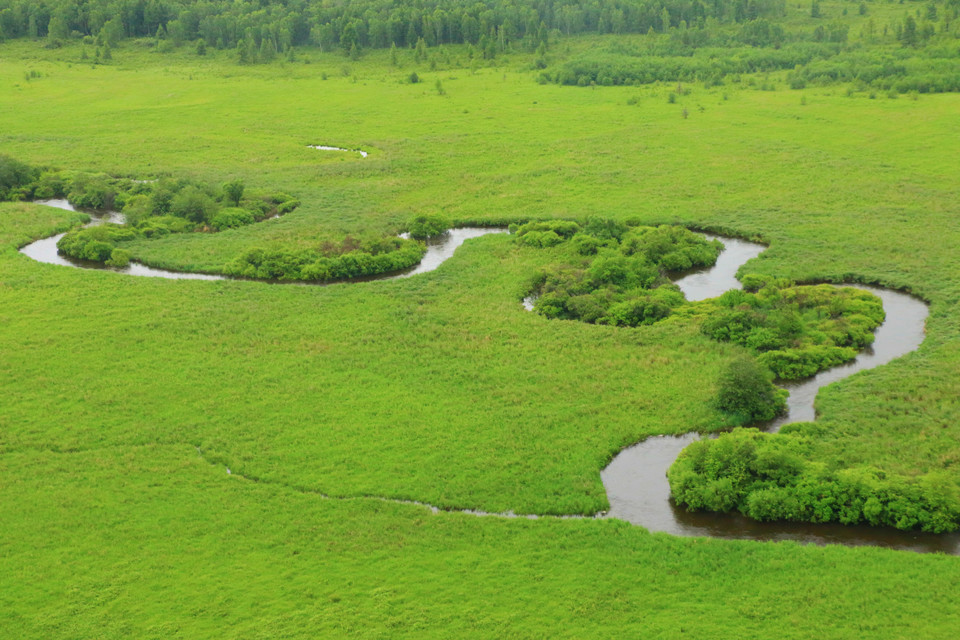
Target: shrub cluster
427,226
207,206
97,244
795,330
901,71
746,393
14,178
617,65
162,207
363,259
615,273
150,208
925,62
154,209
767,477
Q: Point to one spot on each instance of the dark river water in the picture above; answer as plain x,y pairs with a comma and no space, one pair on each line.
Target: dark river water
636,480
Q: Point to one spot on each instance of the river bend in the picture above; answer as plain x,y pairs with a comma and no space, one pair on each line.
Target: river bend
636,481
439,249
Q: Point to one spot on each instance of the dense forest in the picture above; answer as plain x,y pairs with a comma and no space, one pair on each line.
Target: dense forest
916,49
364,23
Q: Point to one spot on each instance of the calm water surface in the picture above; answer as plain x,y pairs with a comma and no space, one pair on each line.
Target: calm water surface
636,481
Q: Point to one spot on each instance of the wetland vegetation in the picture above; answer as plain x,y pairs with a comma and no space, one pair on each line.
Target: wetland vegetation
606,133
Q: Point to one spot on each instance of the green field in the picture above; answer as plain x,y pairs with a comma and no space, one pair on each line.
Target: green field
124,400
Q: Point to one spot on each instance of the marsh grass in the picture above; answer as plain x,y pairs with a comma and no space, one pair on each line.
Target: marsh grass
440,388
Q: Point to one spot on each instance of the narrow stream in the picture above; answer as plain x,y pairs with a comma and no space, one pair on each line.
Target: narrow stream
439,249
636,479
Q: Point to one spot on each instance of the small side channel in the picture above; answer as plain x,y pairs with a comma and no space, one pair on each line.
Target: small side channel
324,147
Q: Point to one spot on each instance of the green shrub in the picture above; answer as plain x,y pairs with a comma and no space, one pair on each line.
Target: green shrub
540,239
672,248
288,206
193,204
586,244
792,364
94,243
564,229
50,184
746,392
369,259
91,192
427,226
605,228
137,209
616,272
14,175
769,477
795,330
119,258
233,191
644,310
231,218
160,226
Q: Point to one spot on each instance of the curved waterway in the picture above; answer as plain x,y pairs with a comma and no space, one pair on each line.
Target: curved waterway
636,479
439,250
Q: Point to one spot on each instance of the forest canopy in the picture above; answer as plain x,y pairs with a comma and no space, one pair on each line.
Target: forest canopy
364,23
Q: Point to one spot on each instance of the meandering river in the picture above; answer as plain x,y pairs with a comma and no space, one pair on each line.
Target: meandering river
636,481
439,249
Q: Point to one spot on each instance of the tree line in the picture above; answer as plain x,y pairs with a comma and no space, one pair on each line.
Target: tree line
360,23
917,51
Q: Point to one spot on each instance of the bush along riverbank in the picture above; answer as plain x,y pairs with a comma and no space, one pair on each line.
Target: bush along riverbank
796,331
613,273
616,274
158,208
769,477
789,331
775,476
153,210
150,208
351,258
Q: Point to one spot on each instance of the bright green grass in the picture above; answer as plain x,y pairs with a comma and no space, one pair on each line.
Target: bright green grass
842,187
154,542
439,388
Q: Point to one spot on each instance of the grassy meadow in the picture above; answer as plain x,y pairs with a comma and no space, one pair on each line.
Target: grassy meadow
125,399
153,542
